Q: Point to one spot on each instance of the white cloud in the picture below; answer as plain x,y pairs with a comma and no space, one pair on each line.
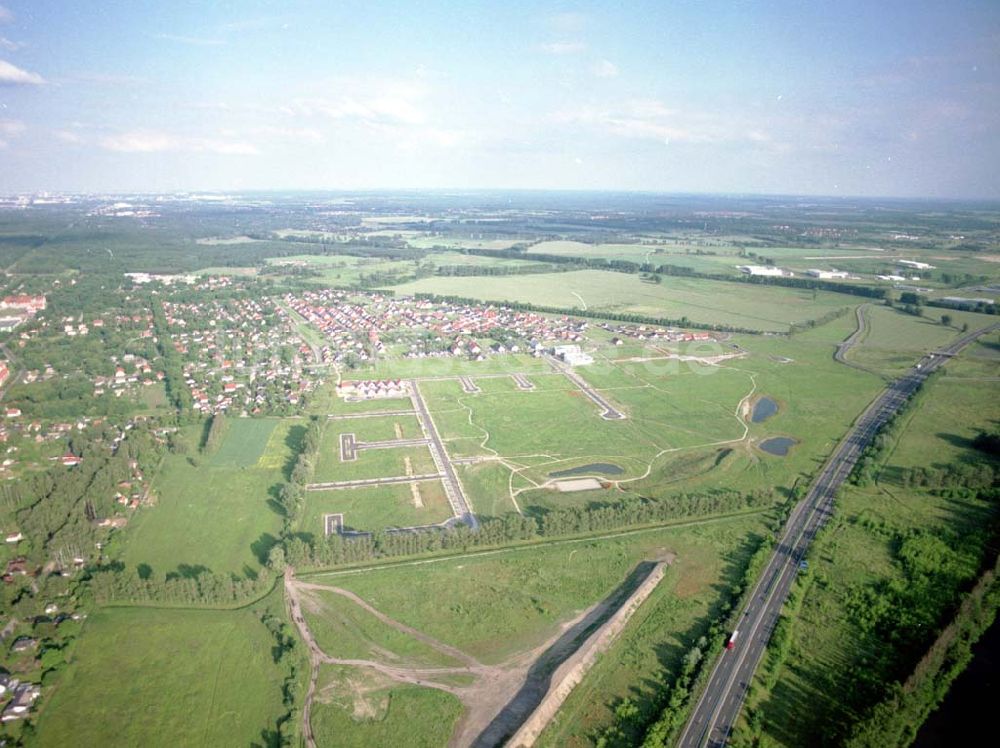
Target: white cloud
194,41
291,134
153,141
650,119
5,15
9,128
68,136
387,102
11,75
10,45
605,69
563,48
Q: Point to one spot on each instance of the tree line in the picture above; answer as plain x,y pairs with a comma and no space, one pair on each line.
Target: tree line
306,551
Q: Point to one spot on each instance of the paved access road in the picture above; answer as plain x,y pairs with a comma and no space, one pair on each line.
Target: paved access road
719,705
610,412
449,479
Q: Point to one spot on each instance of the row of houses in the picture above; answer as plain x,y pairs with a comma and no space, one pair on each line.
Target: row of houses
364,325
372,389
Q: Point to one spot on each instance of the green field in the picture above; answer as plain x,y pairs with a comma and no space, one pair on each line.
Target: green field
344,629
529,591
370,463
216,511
895,340
358,710
373,508
166,678
707,302
856,563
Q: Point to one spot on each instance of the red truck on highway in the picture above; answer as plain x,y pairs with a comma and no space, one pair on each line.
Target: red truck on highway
732,640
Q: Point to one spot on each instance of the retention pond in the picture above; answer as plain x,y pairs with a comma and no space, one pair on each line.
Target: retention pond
763,409
778,445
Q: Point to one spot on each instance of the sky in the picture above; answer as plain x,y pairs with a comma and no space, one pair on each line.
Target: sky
854,98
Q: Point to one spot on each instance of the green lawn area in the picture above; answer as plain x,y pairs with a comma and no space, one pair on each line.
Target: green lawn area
357,710
709,302
855,561
344,629
216,512
157,677
486,485
370,463
375,507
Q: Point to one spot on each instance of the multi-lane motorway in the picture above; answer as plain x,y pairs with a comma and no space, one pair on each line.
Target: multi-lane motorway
719,704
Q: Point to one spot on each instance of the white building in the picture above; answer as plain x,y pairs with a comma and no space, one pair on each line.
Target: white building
573,355
827,274
763,270
915,265
890,277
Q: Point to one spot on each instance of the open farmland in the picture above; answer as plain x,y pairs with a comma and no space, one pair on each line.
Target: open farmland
706,302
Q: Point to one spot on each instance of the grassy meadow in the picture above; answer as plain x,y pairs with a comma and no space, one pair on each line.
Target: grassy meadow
216,511
154,677
357,709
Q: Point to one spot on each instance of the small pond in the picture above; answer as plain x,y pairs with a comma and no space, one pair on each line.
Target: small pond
605,468
764,409
778,445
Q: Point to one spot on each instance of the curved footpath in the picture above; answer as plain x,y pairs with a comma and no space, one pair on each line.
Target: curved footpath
719,705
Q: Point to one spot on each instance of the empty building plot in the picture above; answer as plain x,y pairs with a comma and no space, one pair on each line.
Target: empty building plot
372,508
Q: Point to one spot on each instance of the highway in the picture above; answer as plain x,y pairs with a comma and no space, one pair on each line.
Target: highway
719,705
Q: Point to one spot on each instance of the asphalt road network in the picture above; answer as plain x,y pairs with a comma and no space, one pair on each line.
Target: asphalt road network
719,704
